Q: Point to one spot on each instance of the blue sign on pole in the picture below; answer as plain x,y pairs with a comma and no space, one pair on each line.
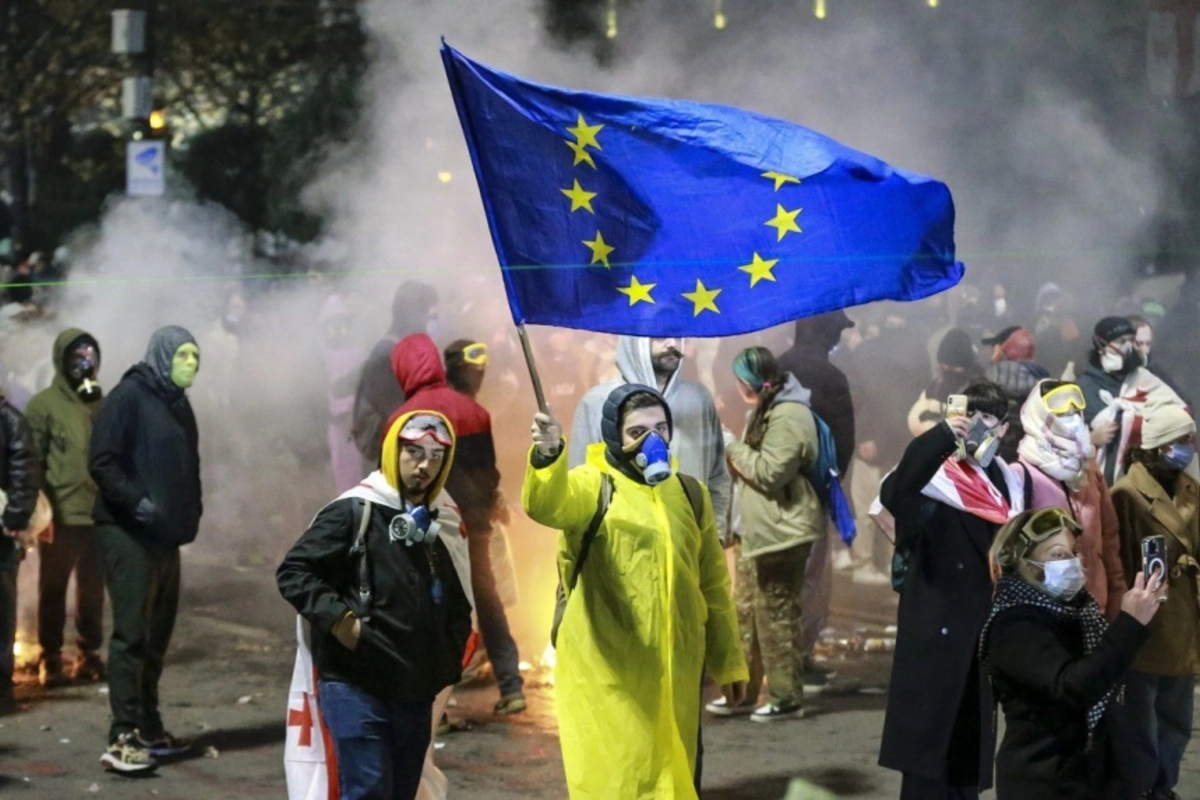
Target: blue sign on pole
145,168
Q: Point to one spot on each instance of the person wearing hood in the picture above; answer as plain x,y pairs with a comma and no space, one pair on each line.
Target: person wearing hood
781,519
808,361
949,495
1157,498
698,442
414,310
651,610
474,483
1118,390
19,480
60,419
957,367
390,619
1056,459
1054,663
144,458
1012,368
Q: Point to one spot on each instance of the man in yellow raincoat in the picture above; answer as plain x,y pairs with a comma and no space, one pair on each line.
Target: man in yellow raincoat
651,610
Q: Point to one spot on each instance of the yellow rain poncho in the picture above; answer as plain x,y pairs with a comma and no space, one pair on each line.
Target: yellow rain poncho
651,611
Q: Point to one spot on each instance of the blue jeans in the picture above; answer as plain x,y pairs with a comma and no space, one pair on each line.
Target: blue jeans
1151,731
380,744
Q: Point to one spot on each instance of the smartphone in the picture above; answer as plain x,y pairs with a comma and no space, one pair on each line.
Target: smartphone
956,405
1154,558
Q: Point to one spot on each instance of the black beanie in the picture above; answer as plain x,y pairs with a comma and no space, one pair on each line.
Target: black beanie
956,349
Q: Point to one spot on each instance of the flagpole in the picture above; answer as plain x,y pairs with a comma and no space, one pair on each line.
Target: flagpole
533,370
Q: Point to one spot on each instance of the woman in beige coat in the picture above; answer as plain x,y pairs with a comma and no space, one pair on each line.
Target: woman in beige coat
781,517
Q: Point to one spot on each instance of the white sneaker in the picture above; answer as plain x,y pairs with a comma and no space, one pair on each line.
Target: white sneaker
127,754
869,576
773,713
721,708
842,560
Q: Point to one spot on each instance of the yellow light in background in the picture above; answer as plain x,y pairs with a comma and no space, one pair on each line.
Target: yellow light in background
932,3
819,9
611,32
158,120
444,176
719,15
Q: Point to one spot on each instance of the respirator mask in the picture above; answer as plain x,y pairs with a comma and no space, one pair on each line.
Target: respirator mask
1120,361
982,441
82,365
415,525
652,457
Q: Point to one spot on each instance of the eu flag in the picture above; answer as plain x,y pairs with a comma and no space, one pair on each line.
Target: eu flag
672,218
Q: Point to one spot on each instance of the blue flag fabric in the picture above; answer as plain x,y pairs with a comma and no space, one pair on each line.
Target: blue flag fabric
672,218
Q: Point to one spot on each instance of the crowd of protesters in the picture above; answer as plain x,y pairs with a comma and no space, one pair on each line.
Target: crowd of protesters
1011,527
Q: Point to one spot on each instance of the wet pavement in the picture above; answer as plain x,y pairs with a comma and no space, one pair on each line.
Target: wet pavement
226,684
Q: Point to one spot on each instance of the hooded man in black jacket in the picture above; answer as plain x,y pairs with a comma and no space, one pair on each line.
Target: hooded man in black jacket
19,478
145,461
390,619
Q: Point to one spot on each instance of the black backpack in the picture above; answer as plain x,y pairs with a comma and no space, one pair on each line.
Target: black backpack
695,496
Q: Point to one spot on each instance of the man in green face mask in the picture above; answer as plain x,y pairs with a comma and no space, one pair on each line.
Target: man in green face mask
145,460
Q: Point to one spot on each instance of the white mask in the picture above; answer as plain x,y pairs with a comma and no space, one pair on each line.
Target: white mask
1111,361
1062,579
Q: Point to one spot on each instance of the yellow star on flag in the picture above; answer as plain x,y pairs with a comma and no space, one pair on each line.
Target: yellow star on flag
784,221
585,134
600,249
760,269
637,292
579,198
582,156
780,179
703,299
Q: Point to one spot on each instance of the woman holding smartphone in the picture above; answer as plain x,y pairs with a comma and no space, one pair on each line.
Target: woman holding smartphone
1157,502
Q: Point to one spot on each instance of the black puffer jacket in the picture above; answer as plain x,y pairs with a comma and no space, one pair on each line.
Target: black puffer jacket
410,647
19,476
145,445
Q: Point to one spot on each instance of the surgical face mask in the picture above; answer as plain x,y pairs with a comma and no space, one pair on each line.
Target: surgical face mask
981,442
1177,456
1074,426
654,459
1064,578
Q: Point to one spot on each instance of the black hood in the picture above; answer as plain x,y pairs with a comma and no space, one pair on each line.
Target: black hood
610,426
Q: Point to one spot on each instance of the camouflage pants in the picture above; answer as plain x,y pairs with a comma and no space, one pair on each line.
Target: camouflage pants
768,606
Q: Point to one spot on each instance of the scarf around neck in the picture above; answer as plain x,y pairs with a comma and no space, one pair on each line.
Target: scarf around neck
1013,592
964,485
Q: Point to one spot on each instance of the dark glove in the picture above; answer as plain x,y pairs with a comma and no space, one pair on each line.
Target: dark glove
144,513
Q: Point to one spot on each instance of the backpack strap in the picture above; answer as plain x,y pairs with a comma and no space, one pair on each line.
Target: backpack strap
362,523
695,496
589,535
1027,489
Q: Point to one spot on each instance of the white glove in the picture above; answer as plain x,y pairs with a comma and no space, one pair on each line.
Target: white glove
547,434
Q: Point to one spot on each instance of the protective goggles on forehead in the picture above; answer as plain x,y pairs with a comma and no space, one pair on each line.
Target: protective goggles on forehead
1048,522
476,354
425,426
1065,399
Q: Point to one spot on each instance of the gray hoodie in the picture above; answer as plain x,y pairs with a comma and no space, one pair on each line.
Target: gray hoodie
697,442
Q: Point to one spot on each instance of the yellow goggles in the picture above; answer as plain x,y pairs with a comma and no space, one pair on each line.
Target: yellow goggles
1065,399
476,354
1047,522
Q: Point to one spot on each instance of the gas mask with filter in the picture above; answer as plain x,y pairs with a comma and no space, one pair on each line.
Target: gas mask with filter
652,457
982,441
82,366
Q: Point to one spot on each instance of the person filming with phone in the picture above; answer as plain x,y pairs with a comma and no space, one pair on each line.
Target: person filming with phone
1156,503
949,495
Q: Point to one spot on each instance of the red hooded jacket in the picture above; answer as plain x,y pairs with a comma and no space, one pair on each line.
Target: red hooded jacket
474,479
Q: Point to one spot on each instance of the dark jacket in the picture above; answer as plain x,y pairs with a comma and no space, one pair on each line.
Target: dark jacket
409,648
19,475
1046,684
945,600
830,394
474,479
145,445
61,424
